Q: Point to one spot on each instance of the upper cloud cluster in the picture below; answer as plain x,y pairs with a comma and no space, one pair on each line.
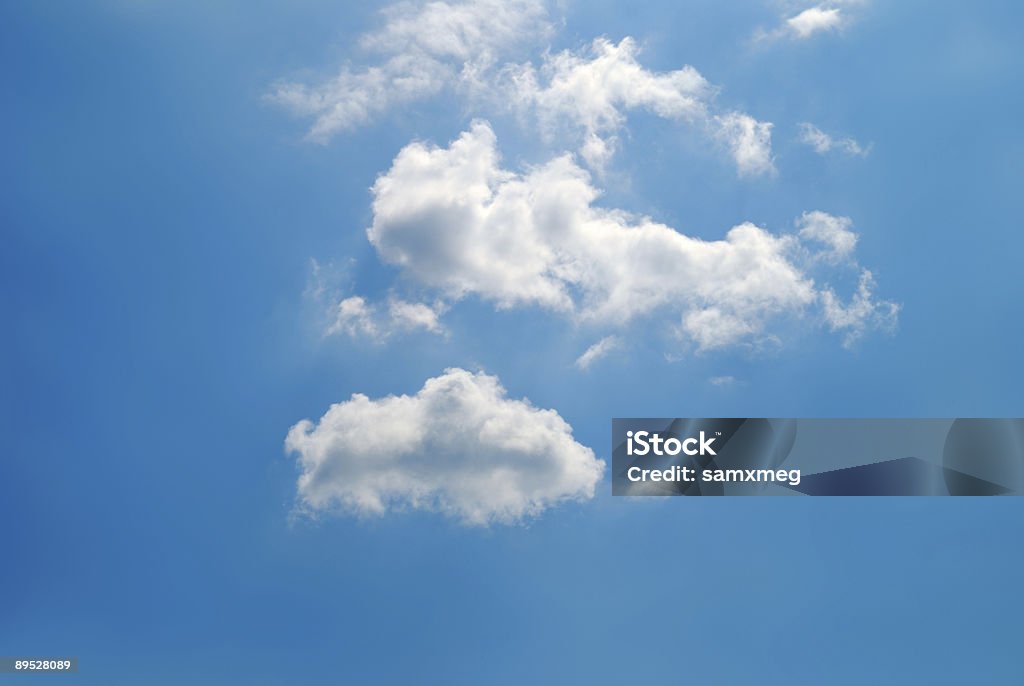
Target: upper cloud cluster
468,46
457,222
459,446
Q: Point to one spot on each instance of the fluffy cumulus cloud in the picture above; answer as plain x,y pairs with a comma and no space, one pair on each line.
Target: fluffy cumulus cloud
459,446
456,222
822,143
421,50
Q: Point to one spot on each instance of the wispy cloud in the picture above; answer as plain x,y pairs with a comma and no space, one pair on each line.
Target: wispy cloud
577,98
862,313
594,89
421,50
805,23
835,233
749,140
814,20
357,318
598,350
823,143
335,312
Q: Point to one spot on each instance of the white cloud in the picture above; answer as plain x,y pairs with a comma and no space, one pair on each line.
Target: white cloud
723,381
593,90
815,20
409,315
828,17
713,327
823,143
468,31
424,48
459,446
456,222
830,231
602,348
357,318
861,313
750,141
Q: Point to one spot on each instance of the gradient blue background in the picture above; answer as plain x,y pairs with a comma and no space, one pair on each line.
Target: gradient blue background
157,220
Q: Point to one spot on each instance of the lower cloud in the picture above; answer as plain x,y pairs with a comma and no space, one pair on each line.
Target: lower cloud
459,447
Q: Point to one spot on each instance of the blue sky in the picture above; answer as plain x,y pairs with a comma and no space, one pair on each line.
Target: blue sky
160,216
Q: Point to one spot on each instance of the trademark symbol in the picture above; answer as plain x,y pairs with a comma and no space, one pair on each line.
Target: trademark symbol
718,433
